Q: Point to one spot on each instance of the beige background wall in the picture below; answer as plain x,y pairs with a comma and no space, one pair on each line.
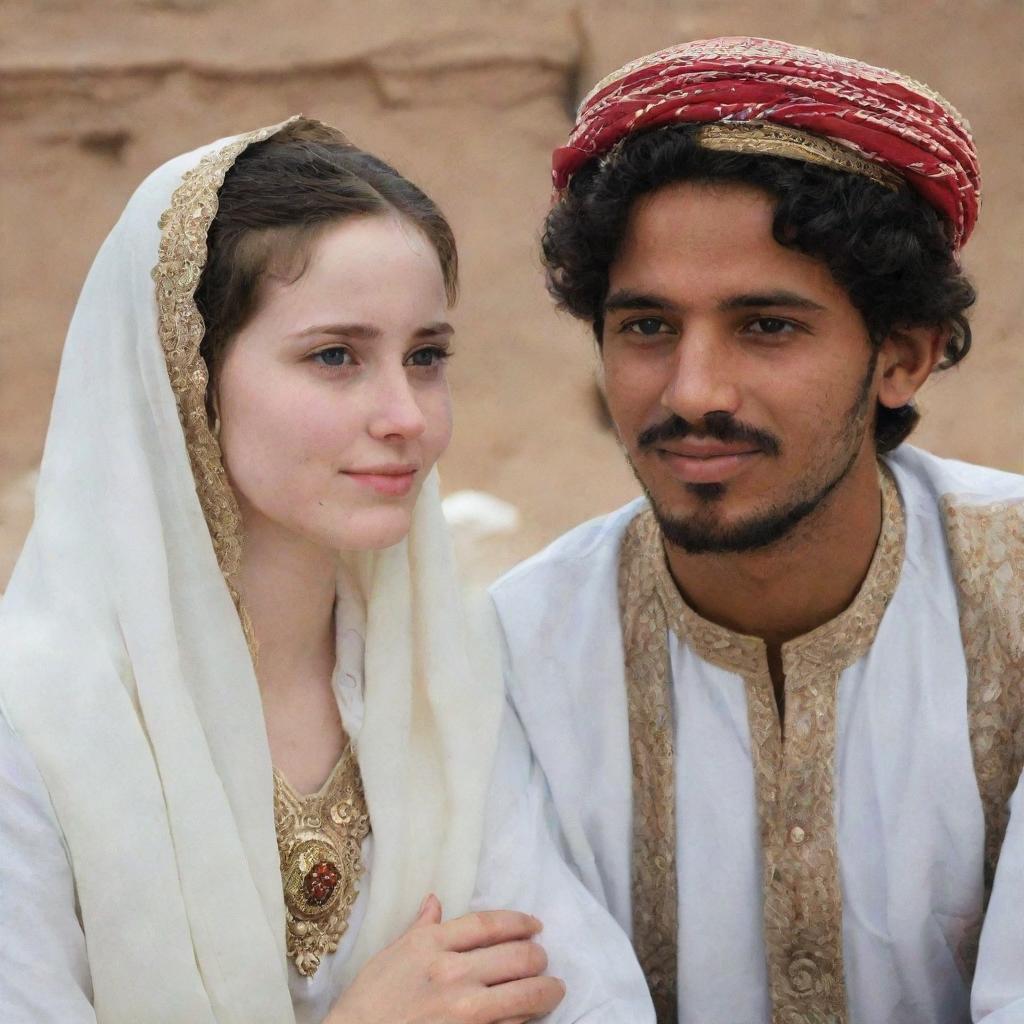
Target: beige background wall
468,99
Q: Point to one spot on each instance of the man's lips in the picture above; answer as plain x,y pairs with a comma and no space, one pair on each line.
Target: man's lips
699,462
707,448
390,481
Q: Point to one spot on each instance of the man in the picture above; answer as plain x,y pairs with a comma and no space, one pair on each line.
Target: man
778,702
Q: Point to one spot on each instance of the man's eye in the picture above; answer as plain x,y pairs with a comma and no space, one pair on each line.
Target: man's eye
431,356
648,326
769,325
332,356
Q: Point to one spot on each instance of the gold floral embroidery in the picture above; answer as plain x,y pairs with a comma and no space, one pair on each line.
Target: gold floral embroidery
319,839
794,780
986,544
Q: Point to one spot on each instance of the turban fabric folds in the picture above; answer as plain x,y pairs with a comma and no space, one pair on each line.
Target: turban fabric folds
774,98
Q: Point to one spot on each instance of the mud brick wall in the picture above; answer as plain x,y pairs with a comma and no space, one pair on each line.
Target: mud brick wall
468,98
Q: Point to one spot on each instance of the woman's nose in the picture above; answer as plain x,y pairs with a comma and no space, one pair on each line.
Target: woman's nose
395,411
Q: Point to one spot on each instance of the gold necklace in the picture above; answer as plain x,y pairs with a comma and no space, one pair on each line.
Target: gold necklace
319,839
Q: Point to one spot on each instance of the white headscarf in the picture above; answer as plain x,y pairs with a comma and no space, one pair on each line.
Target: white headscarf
126,671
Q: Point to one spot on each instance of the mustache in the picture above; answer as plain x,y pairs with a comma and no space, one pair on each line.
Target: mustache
720,426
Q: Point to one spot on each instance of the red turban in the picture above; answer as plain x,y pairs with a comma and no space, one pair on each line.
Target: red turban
774,98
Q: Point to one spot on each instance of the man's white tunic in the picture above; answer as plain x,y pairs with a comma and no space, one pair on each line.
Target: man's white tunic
909,818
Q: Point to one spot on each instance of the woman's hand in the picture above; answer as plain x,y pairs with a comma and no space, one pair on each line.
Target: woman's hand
482,968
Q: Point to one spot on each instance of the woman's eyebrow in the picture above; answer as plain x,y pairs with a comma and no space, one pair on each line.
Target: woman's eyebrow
436,330
348,330
369,332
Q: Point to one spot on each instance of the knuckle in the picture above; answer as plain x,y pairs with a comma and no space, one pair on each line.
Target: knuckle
487,925
536,958
525,959
545,994
447,969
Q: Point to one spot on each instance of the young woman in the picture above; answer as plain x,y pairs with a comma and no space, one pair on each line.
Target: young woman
245,762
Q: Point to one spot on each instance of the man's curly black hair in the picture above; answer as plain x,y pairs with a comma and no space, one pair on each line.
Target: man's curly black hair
887,249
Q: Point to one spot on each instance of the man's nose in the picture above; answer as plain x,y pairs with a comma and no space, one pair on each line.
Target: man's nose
703,378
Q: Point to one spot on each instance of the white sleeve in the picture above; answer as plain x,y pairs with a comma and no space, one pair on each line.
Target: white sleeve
521,869
998,993
44,972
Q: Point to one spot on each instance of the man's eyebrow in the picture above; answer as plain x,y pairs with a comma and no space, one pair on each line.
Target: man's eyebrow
627,299
369,332
761,300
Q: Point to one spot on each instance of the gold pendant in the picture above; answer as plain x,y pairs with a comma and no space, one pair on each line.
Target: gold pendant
319,839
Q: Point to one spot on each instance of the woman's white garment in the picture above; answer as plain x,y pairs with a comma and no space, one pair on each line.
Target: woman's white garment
44,966
910,829
126,675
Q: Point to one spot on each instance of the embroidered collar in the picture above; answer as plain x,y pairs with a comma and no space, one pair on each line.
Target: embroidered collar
837,643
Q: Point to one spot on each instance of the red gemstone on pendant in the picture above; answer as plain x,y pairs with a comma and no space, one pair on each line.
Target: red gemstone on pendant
320,882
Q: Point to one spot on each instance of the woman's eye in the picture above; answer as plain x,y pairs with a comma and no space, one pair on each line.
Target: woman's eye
431,356
333,357
647,326
769,325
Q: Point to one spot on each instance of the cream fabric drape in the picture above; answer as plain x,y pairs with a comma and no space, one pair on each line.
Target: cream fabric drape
125,669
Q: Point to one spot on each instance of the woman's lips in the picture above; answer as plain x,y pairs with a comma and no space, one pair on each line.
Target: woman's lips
390,483
709,467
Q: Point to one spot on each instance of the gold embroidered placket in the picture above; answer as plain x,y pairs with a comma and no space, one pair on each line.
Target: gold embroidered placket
319,839
795,799
649,698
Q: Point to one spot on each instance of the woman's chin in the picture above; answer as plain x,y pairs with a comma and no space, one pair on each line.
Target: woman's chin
371,530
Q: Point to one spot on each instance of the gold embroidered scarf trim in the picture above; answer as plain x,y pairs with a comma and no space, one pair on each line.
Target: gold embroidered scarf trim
319,840
182,258
802,894
184,226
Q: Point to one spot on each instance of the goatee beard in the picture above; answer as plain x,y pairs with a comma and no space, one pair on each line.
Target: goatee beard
697,537
700,534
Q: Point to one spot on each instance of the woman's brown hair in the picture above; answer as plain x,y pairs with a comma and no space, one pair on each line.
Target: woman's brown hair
276,199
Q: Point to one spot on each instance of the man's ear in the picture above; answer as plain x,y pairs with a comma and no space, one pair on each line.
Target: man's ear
906,358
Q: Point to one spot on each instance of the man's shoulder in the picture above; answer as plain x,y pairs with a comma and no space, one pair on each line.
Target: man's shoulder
929,478
586,550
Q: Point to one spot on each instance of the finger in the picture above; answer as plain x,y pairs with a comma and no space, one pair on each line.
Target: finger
509,961
526,999
429,912
487,928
